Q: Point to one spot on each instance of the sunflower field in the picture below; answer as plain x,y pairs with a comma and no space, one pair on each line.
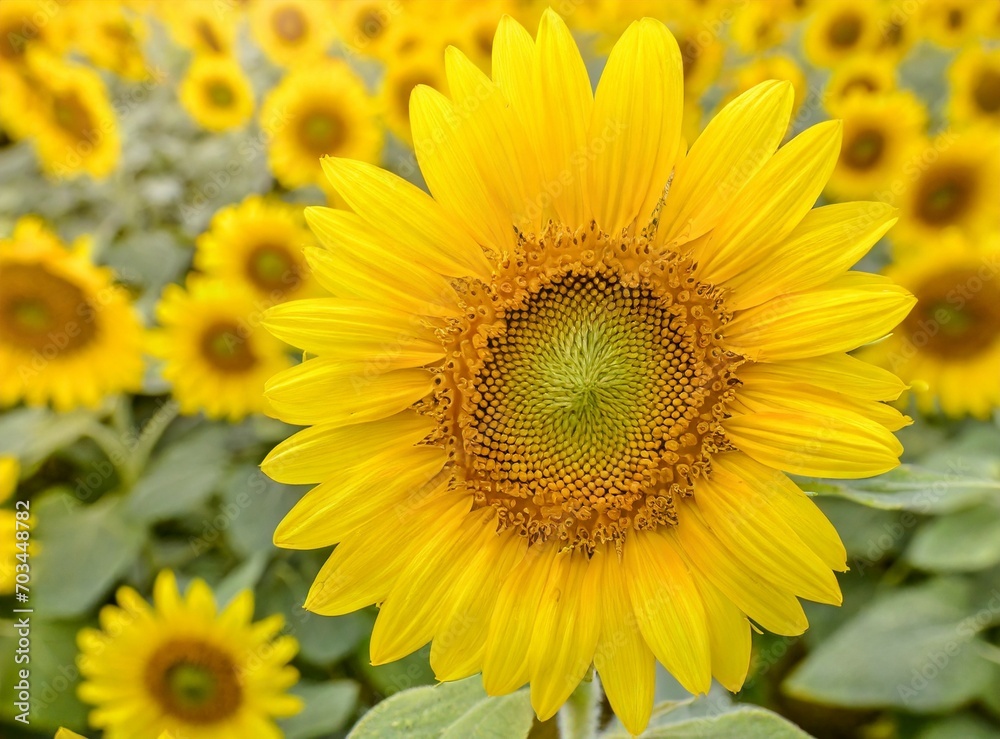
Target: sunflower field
500,369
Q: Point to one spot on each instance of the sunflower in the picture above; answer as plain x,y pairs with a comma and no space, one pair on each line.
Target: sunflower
291,31
73,125
863,74
259,243
550,416
841,28
68,335
949,346
757,27
881,132
216,356
21,31
113,38
949,23
9,470
975,87
317,111
421,66
363,26
178,666
216,93
204,28
953,183
898,30
701,54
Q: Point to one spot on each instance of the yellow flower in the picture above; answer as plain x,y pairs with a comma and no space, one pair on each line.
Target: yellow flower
898,30
949,346
863,74
774,67
558,397
112,39
363,26
757,27
73,125
9,471
881,132
216,93
204,28
701,54
258,243
68,335
180,667
291,31
953,182
421,66
975,87
24,25
316,111
841,28
949,23
216,355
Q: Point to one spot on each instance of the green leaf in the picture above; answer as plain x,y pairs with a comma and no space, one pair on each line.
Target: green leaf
965,541
911,488
82,551
741,723
182,476
411,671
911,648
458,710
328,707
244,577
32,434
252,506
965,726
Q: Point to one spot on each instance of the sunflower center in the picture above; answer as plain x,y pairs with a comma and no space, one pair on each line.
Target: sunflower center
986,93
945,195
864,150
220,94
371,24
271,267
72,116
225,346
592,395
322,131
40,311
845,31
194,681
957,314
956,19
865,84
289,24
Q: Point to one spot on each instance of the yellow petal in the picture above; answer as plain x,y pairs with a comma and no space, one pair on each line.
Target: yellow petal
363,568
347,328
564,107
772,203
847,445
739,516
733,147
728,635
838,372
447,153
623,659
10,470
386,485
826,243
411,612
406,213
566,629
637,120
852,310
324,390
668,608
317,453
789,504
773,608
460,641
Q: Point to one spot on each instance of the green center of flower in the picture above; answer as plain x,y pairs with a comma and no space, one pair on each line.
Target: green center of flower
289,24
864,150
322,132
986,92
272,268
41,311
957,314
845,30
226,347
194,681
72,116
944,195
220,94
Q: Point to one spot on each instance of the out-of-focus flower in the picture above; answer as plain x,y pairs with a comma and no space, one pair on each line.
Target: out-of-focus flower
179,666
316,111
701,54
292,32
110,37
204,28
9,549
949,346
68,335
898,28
952,181
421,66
24,25
363,26
841,28
864,74
216,93
948,23
757,27
259,243
540,514
216,356
881,133
975,87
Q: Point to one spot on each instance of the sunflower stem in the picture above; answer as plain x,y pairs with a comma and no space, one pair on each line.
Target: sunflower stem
579,716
